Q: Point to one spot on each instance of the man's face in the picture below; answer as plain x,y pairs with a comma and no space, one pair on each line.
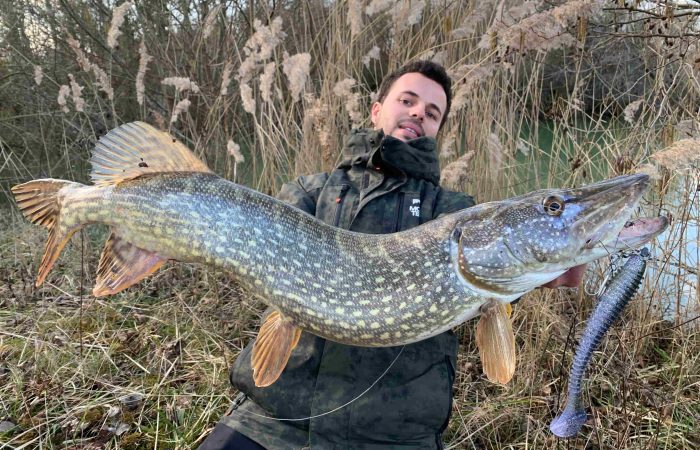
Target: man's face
413,107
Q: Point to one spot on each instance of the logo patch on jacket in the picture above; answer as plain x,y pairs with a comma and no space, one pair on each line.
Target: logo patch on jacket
415,207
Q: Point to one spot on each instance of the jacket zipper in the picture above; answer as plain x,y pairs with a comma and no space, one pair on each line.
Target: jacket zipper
339,203
399,212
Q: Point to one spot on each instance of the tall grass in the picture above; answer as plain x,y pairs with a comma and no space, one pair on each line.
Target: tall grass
546,94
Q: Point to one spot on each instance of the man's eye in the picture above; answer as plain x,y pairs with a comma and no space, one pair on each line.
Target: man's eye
405,101
431,115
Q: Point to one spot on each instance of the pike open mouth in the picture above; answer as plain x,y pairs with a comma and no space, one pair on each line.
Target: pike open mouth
639,231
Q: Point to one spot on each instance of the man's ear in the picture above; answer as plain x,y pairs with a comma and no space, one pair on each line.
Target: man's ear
376,108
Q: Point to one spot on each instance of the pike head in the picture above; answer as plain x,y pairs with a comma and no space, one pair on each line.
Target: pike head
506,248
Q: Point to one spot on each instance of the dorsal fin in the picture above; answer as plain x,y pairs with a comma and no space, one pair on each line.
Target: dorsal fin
135,149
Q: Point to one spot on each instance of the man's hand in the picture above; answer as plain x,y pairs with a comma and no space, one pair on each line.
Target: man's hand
570,278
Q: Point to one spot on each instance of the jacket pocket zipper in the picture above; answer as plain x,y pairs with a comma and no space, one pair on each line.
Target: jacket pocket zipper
339,204
399,212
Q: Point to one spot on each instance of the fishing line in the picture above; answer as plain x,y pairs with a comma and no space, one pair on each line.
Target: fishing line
596,293
613,259
339,407
570,337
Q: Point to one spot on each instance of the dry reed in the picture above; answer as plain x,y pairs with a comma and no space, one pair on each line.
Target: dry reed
63,92
680,155
117,21
76,95
181,107
296,68
144,59
38,75
181,84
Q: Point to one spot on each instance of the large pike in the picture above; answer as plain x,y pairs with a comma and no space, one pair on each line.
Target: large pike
162,203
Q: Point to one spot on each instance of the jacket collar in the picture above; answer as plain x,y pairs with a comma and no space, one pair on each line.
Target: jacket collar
416,158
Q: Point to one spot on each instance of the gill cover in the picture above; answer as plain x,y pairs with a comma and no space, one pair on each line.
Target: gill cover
485,261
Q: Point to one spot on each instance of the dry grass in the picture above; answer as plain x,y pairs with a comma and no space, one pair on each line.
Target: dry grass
148,368
152,361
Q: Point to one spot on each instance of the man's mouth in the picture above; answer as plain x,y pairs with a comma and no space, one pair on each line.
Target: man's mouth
412,128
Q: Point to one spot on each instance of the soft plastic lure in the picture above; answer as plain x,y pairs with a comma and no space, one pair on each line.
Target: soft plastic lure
611,302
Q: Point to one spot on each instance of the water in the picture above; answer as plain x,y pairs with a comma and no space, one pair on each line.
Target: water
675,273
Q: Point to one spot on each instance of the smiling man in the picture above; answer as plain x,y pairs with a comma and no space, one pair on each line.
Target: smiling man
412,106
347,397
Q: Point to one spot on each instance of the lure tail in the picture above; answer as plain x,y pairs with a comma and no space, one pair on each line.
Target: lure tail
569,422
40,202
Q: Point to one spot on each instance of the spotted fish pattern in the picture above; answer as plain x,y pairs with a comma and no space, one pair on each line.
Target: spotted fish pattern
401,287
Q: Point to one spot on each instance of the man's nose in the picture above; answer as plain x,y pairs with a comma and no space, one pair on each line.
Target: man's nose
418,111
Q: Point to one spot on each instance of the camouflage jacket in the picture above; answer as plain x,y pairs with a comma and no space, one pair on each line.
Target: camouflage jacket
383,185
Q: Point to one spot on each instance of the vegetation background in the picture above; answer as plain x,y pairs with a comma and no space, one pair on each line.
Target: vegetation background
547,93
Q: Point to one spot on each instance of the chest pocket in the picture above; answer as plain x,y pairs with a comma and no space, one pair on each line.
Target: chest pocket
335,205
408,211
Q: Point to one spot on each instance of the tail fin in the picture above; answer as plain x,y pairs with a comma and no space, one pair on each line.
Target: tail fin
40,204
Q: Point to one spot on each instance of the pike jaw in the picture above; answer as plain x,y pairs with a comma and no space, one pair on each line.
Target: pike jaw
510,247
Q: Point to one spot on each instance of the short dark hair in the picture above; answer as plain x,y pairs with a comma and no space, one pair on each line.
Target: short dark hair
428,69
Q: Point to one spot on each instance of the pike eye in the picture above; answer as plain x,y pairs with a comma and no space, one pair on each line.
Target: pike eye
553,205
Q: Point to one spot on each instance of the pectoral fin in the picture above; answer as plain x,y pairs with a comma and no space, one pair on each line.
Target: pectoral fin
123,264
496,342
275,341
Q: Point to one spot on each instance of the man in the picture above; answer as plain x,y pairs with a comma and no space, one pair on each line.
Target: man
387,182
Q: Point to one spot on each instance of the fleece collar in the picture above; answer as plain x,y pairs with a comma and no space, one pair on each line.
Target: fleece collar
416,158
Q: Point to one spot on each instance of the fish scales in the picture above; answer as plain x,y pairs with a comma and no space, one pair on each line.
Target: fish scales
299,264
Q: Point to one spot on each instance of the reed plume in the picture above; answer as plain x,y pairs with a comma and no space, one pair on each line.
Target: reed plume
680,155
181,107
296,68
144,59
38,75
63,93
117,21
181,84
76,95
